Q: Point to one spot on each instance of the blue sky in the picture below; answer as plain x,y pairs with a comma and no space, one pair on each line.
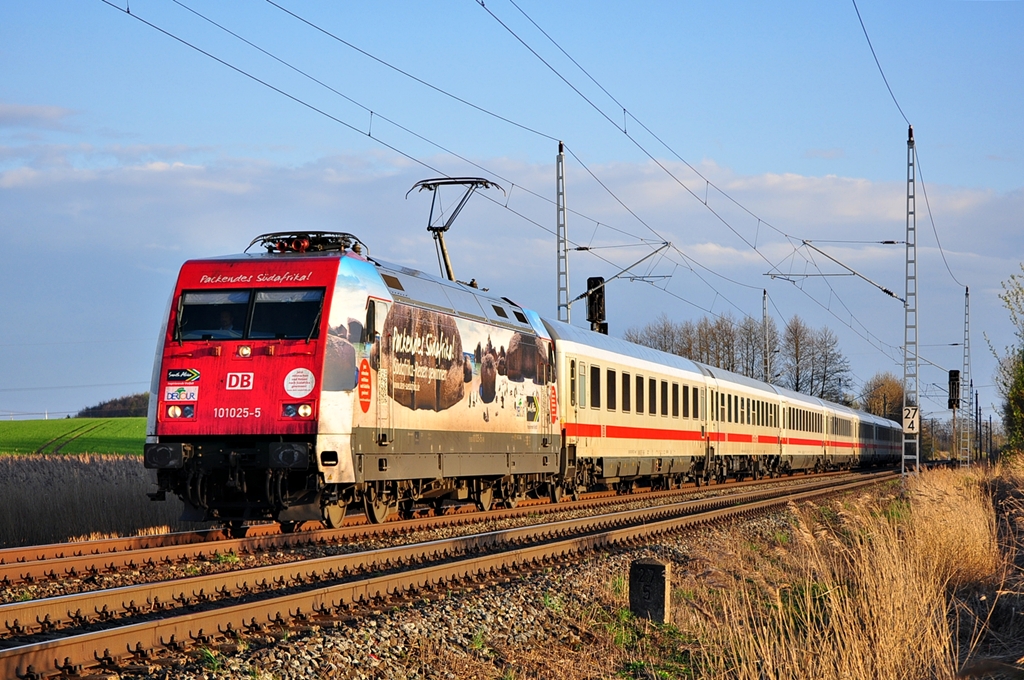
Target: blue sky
124,152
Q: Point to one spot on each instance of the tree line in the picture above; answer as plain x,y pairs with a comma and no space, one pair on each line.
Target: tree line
800,358
130,406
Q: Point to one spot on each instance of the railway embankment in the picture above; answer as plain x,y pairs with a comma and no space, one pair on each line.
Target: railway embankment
922,581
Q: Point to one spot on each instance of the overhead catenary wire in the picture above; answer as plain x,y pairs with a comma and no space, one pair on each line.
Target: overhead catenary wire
369,133
917,161
871,338
408,156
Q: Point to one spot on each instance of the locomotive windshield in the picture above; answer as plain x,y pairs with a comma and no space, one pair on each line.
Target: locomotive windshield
283,314
286,314
218,315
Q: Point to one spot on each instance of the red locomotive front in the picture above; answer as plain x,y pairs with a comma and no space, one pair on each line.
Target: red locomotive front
238,386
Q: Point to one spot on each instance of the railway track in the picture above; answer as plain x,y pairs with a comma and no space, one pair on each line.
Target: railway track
34,564
155,621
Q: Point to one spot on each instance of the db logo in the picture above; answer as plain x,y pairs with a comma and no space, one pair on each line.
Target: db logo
239,381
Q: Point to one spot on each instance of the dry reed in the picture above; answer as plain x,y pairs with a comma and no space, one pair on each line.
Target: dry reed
870,588
53,499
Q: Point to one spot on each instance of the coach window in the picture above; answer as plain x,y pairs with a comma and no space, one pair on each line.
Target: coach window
741,410
639,395
750,419
686,401
675,400
664,398
613,384
729,406
583,385
626,386
595,386
696,401
652,396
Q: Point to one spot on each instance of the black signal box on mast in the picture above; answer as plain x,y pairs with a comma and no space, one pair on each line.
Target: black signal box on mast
595,304
954,389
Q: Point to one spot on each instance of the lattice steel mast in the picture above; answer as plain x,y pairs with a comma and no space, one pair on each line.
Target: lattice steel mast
562,237
911,441
966,388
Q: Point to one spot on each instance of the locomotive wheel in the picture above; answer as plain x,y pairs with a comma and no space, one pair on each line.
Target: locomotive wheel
334,514
485,499
555,492
377,509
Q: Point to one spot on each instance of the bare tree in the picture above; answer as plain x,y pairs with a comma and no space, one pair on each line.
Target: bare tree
750,347
830,370
883,396
797,350
662,333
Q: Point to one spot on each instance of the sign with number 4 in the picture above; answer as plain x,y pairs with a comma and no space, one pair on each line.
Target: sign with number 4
911,420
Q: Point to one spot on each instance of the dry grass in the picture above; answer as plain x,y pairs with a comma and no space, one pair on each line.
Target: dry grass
910,584
52,499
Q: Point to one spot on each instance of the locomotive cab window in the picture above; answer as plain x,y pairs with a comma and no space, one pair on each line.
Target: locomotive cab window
212,315
286,314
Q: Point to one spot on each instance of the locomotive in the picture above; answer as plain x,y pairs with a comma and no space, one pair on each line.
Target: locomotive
294,382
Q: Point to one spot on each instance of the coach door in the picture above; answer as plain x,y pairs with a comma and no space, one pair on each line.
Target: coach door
571,415
376,313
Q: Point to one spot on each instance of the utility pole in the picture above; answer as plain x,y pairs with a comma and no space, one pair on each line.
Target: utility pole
911,414
562,237
764,330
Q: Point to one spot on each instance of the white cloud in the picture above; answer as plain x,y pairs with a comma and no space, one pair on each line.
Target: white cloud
33,116
120,231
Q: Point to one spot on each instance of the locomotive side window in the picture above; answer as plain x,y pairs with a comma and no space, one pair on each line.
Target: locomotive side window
627,385
639,395
212,315
612,386
572,382
286,314
595,386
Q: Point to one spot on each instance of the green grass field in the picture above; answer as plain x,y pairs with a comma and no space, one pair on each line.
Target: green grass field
73,435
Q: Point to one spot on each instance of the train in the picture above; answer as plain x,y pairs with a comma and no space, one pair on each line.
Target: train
305,378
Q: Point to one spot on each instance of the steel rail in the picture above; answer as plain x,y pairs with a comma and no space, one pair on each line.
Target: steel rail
326,603
49,614
56,561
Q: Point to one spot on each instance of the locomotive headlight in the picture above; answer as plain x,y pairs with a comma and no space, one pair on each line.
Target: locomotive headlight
305,410
174,411
244,351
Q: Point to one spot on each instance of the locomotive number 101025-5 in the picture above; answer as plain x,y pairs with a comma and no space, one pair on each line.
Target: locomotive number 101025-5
241,412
